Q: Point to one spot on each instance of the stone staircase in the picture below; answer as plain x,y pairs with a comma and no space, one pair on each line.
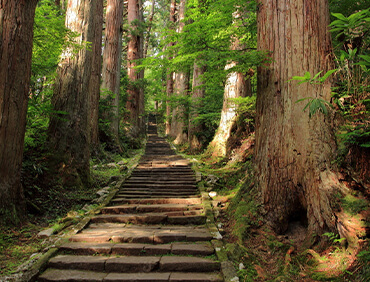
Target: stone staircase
153,230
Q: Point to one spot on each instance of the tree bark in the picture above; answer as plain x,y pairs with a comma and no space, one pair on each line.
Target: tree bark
179,120
69,134
236,86
133,54
169,80
16,35
94,89
150,24
112,65
198,93
293,152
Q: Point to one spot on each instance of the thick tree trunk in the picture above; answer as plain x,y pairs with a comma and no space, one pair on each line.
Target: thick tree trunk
133,54
112,65
179,120
16,35
236,86
94,89
69,134
169,80
294,152
198,92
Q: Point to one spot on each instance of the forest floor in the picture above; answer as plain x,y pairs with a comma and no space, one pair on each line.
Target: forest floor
57,207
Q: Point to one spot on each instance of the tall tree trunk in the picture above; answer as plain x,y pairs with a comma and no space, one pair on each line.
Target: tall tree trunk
294,152
198,92
236,86
150,24
112,65
94,88
169,80
16,35
69,134
179,119
133,54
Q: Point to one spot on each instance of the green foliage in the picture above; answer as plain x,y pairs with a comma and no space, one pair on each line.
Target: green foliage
352,26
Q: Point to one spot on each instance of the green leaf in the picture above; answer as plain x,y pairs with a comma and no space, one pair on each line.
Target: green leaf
339,16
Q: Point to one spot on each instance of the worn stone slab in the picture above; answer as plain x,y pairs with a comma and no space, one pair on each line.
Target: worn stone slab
132,264
192,249
46,233
183,220
87,248
71,275
131,218
135,236
78,262
137,277
90,238
166,236
128,249
154,250
193,277
188,264
198,236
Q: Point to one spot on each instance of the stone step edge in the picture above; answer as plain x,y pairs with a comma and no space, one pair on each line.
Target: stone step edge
54,274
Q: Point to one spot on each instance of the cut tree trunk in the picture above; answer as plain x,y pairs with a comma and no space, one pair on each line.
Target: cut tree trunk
16,36
69,134
94,89
112,67
294,152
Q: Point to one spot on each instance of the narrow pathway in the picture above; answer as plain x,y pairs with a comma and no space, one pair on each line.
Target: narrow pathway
152,231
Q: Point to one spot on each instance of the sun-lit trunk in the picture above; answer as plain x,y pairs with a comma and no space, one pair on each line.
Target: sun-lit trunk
236,86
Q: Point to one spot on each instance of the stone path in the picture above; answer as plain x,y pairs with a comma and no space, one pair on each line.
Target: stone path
152,231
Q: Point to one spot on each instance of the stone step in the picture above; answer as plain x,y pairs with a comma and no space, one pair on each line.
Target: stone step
145,196
141,236
161,180
159,185
134,263
92,276
151,218
136,249
150,193
185,201
149,208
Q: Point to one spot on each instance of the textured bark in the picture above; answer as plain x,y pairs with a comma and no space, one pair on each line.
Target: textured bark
112,65
150,23
69,134
94,89
179,119
134,92
169,80
236,86
198,92
16,35
293,152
